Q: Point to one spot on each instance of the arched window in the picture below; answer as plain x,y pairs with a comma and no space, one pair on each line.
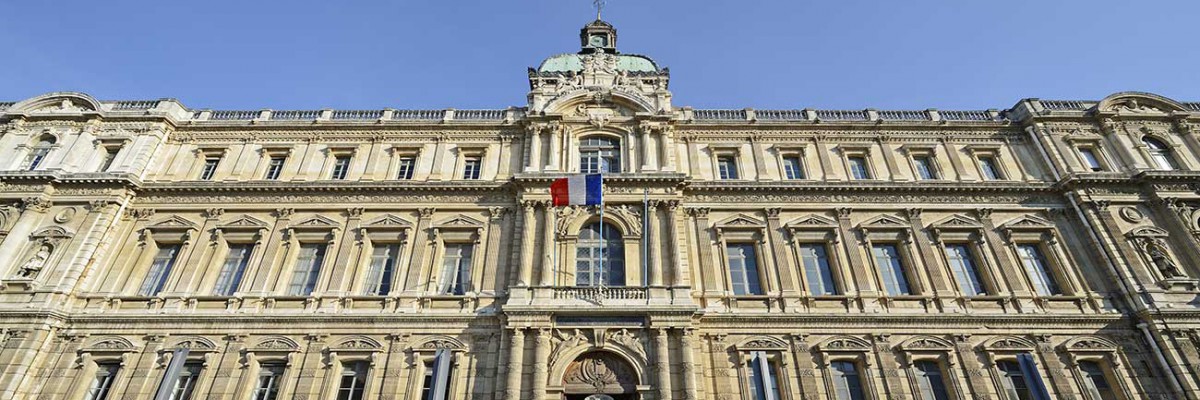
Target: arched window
1160,153
38,152
599,154
590,268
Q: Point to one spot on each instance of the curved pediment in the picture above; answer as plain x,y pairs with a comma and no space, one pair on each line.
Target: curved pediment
58,103
1138,103
1089,343
620,102
927,343
357,343
276,343
194,343
845,343
110,343
1009,343
440,342
1148,231
52,232
762,343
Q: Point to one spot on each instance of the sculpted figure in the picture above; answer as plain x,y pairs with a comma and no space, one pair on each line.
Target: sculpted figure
35,263
1163,261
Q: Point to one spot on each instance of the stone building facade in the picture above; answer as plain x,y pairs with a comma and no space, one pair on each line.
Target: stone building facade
751,254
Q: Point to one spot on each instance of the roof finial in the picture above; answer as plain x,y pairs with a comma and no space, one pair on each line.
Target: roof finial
599,4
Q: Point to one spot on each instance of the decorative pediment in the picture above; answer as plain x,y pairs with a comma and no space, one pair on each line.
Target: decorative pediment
440,342
927,343
1147,232
762,343
957,222
1138,103
52,232
1010,343
845,343
459,222
1089,343
741,221
245,222
110,343
1028,222
58,103
276,343
388,222
812,221
195,344
357,343
316,222
173,222
885,222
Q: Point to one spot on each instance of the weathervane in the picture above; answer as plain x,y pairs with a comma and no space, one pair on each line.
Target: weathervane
599,4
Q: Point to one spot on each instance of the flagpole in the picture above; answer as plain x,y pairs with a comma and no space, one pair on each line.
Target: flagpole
603,241
554,241
645,237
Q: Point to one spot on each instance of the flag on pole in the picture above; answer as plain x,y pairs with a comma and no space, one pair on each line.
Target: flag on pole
577,190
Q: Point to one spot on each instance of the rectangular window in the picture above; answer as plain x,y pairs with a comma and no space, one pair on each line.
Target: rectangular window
858,167
102,382
727,167
1038,270
110,154
308,268
764,378
1090,159
1013,380
275,167
743,269
269,377
1095,381
925,169
437,377
962,264
354,381
891,269
846,382
383,263
930,384
989,168
816,269
210,168
793,167
232,270
341,167
186,384
160,269
456,268
471,167
406,167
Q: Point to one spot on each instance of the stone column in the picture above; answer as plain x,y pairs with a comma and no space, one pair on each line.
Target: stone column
675,251
941,285
143,379
541,353
18,355
823,157
705,243
99,227
349,249
687,345
889,158
525,277
667,144
760,165
33,210
647,152
555,148
546,278
955,157
504,168
1007,267
893,372
312,368
862,274
516,359
439,150
653,239
535,151
779,250
693,156
495,230
662,363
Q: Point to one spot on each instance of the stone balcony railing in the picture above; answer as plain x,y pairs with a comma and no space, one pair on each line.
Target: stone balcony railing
494,115
602,295
810,115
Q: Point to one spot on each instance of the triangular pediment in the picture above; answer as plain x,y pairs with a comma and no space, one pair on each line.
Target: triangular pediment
1028,222
812,221
245,221
741,221
957,221
388,221
174,222
885,221
316,221
460,221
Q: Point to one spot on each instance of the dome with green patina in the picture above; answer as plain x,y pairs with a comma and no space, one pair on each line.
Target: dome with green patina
574,62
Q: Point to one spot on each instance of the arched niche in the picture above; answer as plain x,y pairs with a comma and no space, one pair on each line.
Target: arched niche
599,372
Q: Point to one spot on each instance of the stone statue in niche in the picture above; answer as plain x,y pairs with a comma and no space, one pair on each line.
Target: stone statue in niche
35,263
1157,252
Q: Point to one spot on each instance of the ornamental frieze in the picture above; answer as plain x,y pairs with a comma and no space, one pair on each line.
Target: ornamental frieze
330,198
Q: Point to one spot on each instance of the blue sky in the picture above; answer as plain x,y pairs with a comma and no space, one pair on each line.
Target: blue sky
850,54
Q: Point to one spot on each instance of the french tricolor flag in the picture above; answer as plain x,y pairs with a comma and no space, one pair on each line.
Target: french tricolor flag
577,190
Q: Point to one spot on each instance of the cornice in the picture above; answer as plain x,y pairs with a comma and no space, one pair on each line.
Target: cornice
748,187
311,187
911,321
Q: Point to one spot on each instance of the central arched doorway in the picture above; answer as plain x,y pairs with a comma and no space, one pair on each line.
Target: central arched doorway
600,375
